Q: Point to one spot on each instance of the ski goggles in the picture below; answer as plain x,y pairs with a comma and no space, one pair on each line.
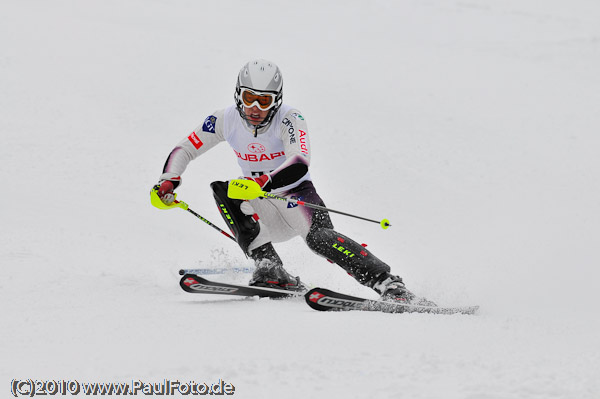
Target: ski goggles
264,101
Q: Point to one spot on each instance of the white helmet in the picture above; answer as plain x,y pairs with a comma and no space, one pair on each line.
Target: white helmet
260,83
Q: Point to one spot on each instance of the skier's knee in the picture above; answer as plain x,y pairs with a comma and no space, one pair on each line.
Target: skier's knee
318,240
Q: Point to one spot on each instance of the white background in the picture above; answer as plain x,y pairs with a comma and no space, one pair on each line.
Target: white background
471,125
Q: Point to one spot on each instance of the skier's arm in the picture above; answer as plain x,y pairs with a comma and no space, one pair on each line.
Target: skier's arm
202,139
294,135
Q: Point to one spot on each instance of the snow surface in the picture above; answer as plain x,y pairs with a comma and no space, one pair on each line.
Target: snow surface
471,125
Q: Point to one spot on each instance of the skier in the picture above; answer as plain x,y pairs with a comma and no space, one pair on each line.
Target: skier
271,142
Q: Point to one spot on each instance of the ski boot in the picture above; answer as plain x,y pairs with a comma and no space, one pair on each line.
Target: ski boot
273,275
270,273
392,289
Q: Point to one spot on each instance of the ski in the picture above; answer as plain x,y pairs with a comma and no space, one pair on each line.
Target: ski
199,285
327,300
218,270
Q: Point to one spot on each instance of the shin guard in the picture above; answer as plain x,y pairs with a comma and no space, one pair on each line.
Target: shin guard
244,227
347,253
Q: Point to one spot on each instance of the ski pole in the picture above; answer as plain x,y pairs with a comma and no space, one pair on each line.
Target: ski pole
248,189
156,201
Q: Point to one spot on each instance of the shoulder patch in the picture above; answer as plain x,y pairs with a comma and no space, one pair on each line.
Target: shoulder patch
196,142
209,124
297,116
